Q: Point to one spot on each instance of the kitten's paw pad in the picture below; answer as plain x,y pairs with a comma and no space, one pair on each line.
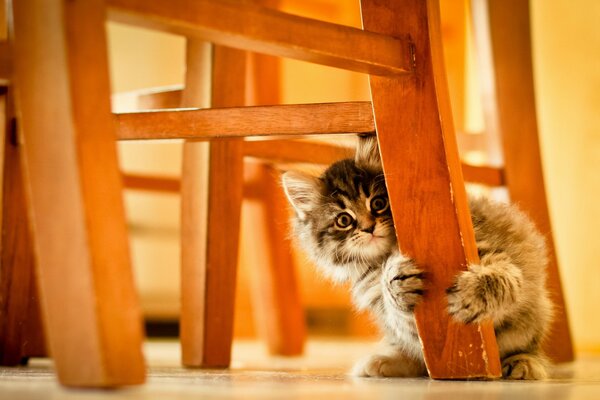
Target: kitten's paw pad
405,281
466,300
381,366
524,367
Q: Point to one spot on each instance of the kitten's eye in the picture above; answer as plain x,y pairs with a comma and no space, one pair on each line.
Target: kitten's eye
344,220
379,204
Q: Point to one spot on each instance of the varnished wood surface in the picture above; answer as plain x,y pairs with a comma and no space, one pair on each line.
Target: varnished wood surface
296,151
160,98
151,183
194,210
281,120
489,176
88,297
5,63
21,330
277,307
426,187
278,310
266,120
454,31
513,103
224,207
210,276
247,26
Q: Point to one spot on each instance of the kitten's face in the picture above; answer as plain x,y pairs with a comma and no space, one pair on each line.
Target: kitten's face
343,218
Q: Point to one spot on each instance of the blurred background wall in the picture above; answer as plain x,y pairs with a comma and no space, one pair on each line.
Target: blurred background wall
566,45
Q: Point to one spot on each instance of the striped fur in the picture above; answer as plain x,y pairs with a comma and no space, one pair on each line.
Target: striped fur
508,286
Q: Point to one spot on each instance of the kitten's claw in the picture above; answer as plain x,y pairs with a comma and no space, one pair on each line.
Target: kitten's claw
404,281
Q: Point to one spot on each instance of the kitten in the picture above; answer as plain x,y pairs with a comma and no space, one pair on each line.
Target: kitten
343,221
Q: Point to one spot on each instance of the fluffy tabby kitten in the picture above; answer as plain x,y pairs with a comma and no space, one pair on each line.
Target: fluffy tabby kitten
343,221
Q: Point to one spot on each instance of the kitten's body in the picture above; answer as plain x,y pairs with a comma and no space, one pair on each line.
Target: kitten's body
508,286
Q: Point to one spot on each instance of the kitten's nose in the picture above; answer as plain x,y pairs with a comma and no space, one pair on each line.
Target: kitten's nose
370,229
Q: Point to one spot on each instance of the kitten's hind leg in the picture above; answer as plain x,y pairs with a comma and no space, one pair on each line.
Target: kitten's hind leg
524,366
390,364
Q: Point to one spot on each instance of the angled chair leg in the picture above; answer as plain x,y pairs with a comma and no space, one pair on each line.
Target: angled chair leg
74,189
511,115
21,331
213,174
422,168
279,314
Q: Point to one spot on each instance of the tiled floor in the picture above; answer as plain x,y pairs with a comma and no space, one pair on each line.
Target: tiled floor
320,374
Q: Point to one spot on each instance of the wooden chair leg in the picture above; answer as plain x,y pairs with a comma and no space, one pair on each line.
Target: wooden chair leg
511,115
21,332
424,180
279,314
275,295
74,192
209,259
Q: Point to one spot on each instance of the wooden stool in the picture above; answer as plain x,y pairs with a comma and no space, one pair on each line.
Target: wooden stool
73,177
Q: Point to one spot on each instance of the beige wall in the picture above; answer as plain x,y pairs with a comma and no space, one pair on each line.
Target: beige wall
140,59
566,38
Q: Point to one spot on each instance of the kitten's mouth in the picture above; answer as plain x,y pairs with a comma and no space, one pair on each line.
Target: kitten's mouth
375,242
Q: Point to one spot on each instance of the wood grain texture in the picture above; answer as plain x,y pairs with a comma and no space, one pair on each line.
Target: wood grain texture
74,188
21,331
160,98
247,26
209,333
323,154
151,183
194,209
426,188
296,151
5,63
488,176
454,31
513,102
304,151
224,208
282,120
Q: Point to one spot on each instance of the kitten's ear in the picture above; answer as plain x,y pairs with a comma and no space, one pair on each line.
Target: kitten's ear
367,153
301,190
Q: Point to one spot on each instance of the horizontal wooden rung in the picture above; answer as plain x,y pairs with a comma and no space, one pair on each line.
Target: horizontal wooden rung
168,97
488,176
297,151
247,26
281,120
151,183
172,185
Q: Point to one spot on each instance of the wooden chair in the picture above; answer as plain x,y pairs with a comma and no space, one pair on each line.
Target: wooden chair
278,312
72,175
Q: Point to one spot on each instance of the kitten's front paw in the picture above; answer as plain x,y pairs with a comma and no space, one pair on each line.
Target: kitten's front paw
467,299
404,281
385,366
524,366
